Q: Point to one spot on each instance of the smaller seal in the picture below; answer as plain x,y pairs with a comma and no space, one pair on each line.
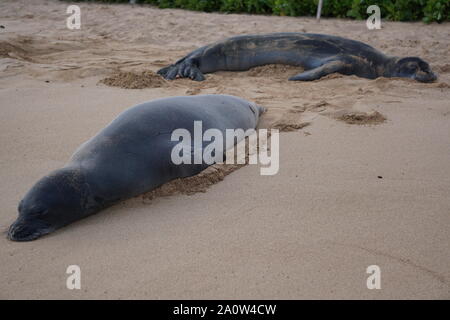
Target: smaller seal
318,54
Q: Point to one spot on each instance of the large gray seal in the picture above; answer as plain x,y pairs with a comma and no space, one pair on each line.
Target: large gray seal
318,54
131,156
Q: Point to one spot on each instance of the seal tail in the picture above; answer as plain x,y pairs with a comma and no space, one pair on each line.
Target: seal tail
261,109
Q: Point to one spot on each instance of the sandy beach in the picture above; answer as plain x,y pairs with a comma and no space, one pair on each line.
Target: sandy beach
349,194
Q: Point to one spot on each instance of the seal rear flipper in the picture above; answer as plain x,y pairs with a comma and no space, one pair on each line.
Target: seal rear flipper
184,69
319,72
163,71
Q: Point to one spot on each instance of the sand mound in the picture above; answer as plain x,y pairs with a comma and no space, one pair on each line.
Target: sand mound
10,50
287,126
132,80
442,85
445,68
274,70
191,185
25,47
363,118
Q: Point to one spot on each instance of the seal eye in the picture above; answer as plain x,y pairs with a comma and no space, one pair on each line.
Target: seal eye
39,212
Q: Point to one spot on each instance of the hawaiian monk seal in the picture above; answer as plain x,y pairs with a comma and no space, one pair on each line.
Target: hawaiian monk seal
131,156
318,54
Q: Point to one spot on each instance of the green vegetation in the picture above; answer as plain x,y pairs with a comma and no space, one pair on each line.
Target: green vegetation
396,10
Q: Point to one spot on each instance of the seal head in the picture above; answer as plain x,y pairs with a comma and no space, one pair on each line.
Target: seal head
49,205
414,68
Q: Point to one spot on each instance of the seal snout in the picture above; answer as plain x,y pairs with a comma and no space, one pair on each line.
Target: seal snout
23,230
426,76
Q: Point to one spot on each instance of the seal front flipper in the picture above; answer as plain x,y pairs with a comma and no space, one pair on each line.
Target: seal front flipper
182,69
323,70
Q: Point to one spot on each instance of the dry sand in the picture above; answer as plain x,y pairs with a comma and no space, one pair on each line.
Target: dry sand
347,196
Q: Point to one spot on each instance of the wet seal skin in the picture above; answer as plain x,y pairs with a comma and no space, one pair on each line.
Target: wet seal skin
318,54
131,156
